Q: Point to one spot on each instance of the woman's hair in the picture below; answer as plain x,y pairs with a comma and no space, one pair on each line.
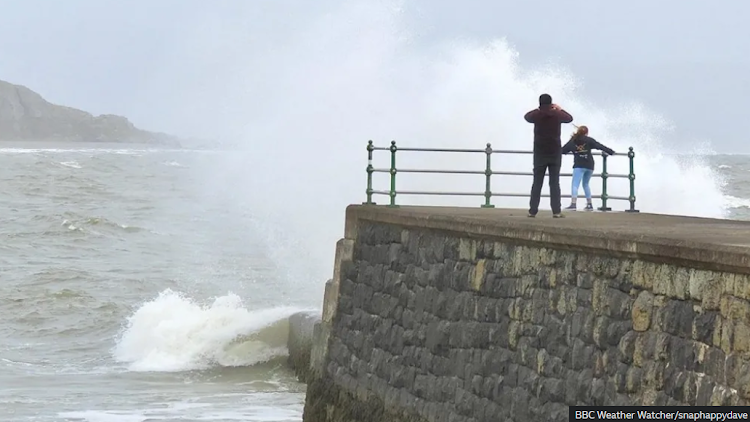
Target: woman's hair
580,131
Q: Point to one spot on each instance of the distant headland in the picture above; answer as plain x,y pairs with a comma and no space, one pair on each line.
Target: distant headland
27,116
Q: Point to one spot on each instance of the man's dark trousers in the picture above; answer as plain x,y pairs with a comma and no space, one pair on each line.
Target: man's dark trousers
546,164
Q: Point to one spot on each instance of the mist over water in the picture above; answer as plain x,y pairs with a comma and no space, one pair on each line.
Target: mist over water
356,73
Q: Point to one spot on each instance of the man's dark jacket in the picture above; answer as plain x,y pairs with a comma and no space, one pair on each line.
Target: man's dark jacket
547,122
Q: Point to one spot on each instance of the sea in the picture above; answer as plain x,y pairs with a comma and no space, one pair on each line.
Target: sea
130,292
127,295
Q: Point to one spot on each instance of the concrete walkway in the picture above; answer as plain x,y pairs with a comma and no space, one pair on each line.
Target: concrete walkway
715,243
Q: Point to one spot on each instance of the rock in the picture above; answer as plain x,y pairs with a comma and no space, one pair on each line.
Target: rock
642,309
27,116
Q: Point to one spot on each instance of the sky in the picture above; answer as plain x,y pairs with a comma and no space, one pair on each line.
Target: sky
182,66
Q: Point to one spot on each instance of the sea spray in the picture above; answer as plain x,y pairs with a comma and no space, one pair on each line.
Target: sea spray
175,333
353,74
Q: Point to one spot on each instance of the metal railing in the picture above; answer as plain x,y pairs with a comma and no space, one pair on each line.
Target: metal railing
488,173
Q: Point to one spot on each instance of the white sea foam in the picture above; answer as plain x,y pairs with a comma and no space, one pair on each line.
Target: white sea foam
194,411
735,202
175,333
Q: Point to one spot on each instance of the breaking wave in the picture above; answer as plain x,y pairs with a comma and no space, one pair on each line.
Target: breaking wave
176,333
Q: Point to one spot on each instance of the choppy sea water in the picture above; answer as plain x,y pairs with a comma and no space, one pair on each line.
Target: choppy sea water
736,171
135,289
132,290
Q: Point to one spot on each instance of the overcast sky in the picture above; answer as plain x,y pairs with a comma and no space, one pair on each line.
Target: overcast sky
156,61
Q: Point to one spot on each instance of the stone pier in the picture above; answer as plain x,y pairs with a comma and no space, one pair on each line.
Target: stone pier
472,315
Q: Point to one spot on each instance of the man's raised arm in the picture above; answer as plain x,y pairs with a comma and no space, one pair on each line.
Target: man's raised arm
564,116
531,116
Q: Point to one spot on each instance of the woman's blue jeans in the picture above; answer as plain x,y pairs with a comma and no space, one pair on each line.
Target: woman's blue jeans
581,175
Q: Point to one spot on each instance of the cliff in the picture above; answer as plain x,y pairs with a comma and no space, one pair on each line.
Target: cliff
27,116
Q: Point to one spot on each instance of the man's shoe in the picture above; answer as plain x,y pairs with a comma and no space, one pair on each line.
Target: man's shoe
589,207
571,207
558,215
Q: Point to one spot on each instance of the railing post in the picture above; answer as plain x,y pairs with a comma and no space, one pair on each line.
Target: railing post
488,175
605,176
370,170
631,177
392,193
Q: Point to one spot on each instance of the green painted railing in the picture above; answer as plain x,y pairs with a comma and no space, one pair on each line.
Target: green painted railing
488,173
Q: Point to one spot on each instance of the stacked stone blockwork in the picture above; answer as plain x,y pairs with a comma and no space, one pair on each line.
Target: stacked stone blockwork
430,326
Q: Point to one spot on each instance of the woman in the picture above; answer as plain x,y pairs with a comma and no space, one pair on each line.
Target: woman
580,145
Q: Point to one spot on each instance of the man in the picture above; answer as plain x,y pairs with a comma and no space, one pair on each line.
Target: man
547,120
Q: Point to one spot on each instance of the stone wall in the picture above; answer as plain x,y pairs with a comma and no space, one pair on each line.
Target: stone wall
429,325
